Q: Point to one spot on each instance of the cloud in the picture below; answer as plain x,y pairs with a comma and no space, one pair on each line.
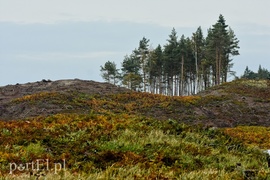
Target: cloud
171,13
68,39
66,56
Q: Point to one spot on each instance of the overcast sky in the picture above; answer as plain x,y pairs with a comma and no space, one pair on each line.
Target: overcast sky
67,39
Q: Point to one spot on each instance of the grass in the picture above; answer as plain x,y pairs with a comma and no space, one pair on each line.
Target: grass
125,146
134,136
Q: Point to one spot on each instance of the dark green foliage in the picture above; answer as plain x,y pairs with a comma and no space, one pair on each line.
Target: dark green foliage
221,44
110,72
261,74
183,66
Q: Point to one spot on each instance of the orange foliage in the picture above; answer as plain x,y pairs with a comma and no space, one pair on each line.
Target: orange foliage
188,99
251,135
38,96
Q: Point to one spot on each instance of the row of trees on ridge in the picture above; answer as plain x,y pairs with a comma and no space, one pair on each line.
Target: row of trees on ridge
183,66
262,73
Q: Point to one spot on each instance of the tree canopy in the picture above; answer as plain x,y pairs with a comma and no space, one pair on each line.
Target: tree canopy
184,65
262,73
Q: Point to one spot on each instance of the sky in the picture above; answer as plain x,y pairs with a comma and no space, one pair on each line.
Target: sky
68,39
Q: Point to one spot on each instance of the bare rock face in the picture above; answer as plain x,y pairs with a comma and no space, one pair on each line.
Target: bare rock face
9,110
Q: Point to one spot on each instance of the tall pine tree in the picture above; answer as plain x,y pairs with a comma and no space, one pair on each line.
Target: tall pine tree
171,59
222,43
142,53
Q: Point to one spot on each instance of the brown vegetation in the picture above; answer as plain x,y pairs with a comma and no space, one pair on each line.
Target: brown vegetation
241,102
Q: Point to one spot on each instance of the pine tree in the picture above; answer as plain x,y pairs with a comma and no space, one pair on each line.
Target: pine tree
231,51
110,73
190,68
263,73
198,43
223,43
130,72
247,73
153,73
171,60
156,64
219,42
142,53
160,68
183,67
183,56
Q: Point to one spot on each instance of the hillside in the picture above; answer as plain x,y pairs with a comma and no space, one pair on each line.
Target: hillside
89,130
229,105
48,97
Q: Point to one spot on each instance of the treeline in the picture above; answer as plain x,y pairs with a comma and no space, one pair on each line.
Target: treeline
183,66
262,73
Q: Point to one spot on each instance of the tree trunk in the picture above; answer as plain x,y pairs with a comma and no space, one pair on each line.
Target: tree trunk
217,78
182,75
160,86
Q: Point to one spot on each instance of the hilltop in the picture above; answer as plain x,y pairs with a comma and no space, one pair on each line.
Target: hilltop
43,95
241,102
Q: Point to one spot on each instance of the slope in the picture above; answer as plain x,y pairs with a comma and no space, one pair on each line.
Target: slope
89,130
241,102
